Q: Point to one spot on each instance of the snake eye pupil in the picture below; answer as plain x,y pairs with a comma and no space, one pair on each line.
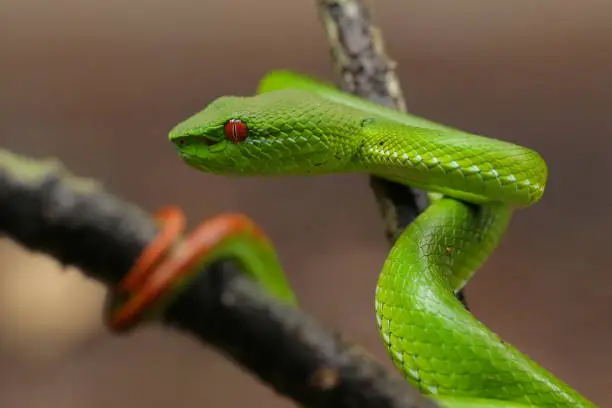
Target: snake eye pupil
236,130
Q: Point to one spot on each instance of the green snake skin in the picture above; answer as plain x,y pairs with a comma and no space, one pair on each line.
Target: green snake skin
301,126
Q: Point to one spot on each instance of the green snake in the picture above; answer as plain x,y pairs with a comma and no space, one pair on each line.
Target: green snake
298,125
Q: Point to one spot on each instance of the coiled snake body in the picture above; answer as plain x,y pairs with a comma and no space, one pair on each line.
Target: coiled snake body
297,125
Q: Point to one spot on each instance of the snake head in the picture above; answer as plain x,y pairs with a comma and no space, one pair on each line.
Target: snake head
276,133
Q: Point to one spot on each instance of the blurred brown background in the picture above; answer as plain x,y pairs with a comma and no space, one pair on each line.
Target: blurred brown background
99,84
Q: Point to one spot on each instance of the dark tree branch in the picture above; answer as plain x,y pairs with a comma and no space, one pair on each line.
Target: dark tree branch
73,219
286,348
48,210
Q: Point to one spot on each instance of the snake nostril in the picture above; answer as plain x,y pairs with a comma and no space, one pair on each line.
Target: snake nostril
179,142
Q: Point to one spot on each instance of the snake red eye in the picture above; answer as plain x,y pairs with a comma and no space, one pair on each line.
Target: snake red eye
236,130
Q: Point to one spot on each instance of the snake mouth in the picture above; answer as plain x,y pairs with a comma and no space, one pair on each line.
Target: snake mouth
190,140
198,147
209,142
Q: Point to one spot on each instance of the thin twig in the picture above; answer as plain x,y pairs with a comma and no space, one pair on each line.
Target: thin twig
364,69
